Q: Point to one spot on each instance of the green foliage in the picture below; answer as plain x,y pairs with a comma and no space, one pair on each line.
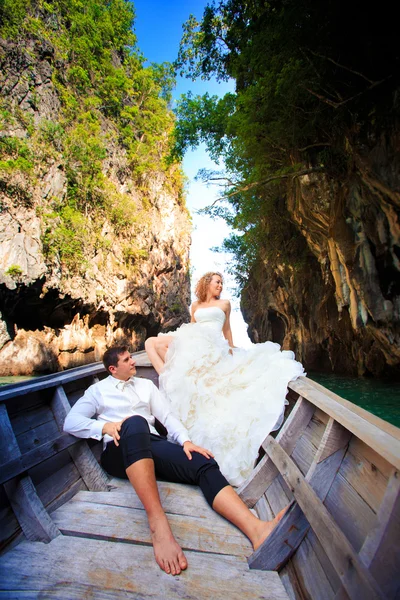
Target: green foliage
12,15
52,133
66,238
132,254
110,103
84,152
302,92
15,155
14,271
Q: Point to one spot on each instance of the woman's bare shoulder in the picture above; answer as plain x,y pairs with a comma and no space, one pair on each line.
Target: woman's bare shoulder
225,305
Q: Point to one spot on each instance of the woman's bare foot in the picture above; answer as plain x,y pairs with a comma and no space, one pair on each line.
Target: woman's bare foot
168,553
266,527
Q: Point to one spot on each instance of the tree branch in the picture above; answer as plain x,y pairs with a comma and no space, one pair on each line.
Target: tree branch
314,146
338,104
343,67
250,186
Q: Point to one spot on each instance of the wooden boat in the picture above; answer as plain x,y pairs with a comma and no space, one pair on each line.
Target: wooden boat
68,531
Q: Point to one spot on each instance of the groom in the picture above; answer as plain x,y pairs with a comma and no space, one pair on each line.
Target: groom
121,410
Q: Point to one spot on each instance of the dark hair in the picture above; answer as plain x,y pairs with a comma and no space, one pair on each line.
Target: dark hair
111,356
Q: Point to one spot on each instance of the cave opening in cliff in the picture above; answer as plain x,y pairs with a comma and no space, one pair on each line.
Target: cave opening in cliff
29,308
388,274
278,327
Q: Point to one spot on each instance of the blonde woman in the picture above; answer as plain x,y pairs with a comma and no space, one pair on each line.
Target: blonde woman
228,398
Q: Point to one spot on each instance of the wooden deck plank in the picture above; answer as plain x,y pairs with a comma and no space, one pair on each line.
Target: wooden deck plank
311,573
23,462
303,454
284,540
367,481
264,473
354,576
24,500
361,451
130,525
91,472
276,499
176,498
72,569
381,549
350,511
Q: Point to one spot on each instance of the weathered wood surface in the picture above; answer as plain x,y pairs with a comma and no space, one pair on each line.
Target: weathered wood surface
107,553
91,472
381,549
265,471
116,522
291,530
271,503
26,461
356,579
385,440
311,574
26,504
176,499
72,568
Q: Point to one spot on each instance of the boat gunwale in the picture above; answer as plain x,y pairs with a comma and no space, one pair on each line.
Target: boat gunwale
369,428
43,382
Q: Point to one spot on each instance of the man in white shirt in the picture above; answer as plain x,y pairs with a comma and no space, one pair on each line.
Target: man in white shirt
125,409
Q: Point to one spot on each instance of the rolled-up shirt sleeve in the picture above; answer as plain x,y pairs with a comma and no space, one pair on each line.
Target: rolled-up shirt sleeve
79,420
161,409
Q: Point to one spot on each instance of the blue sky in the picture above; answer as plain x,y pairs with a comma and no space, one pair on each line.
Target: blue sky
159,30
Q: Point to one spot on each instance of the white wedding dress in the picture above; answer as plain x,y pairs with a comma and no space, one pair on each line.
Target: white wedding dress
229,403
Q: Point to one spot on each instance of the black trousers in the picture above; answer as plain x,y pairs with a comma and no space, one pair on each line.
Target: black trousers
170,461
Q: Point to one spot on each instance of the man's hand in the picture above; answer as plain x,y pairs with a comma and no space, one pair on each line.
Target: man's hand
113,430
189,447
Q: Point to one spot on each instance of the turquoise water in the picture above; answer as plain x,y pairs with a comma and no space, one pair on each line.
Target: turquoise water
14,379
375,395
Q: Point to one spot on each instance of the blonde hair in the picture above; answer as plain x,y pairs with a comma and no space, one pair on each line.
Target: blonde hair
203,283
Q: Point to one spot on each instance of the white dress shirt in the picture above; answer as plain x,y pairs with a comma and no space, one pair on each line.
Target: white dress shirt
112,400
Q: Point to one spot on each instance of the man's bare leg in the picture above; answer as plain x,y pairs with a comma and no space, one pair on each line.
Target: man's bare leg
168,553
228,504
156,348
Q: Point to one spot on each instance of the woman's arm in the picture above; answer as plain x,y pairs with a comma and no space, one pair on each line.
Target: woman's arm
192,311
226,330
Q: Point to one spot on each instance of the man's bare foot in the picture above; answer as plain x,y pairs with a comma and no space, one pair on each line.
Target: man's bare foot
168,553
266,527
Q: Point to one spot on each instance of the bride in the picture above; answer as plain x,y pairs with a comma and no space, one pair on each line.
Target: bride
228,398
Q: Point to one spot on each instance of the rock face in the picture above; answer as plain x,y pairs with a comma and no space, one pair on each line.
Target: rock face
53,317
338,308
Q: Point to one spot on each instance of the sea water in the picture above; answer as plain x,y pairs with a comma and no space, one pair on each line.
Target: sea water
380,397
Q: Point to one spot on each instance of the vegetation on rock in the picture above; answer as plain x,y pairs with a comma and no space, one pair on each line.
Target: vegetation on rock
111,105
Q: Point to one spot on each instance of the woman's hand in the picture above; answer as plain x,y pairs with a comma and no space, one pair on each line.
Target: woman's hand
113,430
189,447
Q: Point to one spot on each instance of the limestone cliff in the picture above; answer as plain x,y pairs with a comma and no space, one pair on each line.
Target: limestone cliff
94,245
337,305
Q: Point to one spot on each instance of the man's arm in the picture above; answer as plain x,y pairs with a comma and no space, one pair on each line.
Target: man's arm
79,420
